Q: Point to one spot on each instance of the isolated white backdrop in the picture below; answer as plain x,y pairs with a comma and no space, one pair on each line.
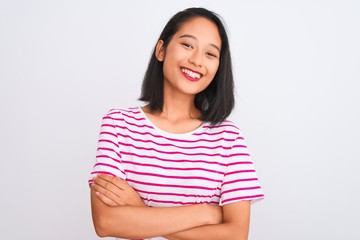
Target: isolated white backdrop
63,64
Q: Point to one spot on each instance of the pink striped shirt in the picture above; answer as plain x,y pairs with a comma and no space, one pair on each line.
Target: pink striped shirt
208,165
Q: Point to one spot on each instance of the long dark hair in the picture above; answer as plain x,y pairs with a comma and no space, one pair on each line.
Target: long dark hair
217,100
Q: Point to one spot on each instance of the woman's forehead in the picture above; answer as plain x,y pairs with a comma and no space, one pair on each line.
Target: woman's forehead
202,29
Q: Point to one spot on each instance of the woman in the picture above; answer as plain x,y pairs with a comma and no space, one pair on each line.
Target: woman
176,168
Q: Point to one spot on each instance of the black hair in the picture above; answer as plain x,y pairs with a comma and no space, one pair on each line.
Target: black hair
216,101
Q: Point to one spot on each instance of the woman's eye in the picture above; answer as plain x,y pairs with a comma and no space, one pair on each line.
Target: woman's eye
211,55
187,45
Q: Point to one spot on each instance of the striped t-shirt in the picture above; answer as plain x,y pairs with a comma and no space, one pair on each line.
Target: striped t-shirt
208,165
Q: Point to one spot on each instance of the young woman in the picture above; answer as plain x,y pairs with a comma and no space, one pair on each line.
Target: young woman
176,168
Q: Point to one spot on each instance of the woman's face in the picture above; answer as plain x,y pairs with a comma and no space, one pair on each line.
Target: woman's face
191,58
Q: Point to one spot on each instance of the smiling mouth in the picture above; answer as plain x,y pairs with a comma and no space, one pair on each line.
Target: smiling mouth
193,76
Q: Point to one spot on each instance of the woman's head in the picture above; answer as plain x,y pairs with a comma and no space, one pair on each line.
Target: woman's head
215,97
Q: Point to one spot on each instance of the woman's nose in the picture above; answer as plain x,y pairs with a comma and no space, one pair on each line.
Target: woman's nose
196,59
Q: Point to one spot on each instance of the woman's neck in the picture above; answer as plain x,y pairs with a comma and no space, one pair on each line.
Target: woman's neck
178,107
179,114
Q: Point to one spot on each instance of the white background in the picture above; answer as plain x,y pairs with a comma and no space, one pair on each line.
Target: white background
64,64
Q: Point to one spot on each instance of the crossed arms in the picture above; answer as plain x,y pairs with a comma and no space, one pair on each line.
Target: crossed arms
118,211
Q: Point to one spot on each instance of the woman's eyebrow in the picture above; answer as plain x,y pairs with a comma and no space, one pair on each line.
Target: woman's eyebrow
193,37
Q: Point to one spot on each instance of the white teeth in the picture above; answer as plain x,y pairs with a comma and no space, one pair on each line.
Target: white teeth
190,73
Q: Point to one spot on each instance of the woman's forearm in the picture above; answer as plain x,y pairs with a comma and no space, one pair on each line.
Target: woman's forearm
235,226
223,231
145,222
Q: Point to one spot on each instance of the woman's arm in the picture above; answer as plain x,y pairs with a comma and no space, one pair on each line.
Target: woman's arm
142,222
235,225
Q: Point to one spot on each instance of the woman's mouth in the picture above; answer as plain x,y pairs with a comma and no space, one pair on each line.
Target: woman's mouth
190,74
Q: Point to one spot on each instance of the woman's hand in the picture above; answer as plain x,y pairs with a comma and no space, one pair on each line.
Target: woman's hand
114,191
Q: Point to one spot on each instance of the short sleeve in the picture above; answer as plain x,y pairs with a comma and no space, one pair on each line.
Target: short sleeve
108,158
240,179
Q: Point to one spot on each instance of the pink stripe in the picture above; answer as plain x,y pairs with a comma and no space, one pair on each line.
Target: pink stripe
108,149
239,146
172,139
108,141
103,172
134,112
112,118
176,194
176,140
173,160
237,163
112,111
176,202
109,165
239,180
239,138
108,125
240,171
176,177
245,197
171,168
172,145
107,117
106,156
108,133
215,133
136,125
132,124
240,189
174,152
222,125
137,119
119,111
239,154
170,185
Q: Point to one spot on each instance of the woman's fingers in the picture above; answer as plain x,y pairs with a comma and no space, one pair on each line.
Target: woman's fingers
125,194
106,200
110,193
108,185
118,182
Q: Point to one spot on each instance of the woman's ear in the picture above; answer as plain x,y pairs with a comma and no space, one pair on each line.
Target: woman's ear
160,51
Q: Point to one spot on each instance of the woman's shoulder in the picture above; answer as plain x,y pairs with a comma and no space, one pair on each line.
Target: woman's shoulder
129,115
227,129
121,112
226,126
